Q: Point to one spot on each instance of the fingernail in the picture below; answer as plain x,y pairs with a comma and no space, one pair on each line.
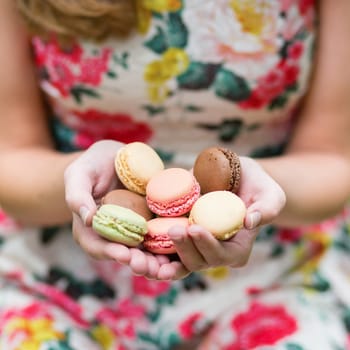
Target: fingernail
254,220
84,213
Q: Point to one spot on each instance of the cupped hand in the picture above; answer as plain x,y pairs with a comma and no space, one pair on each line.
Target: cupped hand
199,250
87,180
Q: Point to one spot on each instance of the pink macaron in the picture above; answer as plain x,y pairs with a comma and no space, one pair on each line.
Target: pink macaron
157,240
172,192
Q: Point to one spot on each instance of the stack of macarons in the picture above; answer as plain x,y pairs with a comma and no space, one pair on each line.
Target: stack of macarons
155,198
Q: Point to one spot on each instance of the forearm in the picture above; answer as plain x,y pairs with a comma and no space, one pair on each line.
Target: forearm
32,187
317,185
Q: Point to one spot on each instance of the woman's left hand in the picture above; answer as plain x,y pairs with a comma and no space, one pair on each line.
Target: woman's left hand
199,250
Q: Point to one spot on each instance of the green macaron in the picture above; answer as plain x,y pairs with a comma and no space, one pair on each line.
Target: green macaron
119,224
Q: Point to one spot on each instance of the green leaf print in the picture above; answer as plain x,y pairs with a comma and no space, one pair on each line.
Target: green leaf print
48,234
158,43
122,60
79,91
174,35
278,102
193,108
1,241
230,129
198,76
153,110
294,346
277,250
346,319
230,86
177,31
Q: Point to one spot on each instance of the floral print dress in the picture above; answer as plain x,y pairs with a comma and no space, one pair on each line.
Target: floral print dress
197,73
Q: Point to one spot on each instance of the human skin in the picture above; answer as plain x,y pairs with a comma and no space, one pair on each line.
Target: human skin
310,182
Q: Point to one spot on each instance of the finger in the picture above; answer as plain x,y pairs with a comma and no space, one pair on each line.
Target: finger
89,240
138,262
153,266
118,252
187,251
162,259
240,246
172,271
78,195
265,209
208,246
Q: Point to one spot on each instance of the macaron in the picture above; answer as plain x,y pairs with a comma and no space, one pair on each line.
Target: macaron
220,212
157,240
172,192
135,163
217,169
119,224
130,200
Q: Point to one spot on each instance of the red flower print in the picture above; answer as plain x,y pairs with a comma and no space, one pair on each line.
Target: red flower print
295,50
261,325
67,68
7,225
187,328
57,297
290,70
32,311
255,101
143,286
122,318
272,85
306,5
289,235
93,125
92,67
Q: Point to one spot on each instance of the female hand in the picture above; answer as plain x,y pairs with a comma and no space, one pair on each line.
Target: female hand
199,250
87,180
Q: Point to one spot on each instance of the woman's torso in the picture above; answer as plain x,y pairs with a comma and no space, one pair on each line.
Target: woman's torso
196,73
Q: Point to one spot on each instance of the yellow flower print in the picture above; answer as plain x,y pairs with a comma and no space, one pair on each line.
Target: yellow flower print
217,273
176,61
173,62
144,10
156,72
162,5
38,331
324,241
251,14
104,336
144,17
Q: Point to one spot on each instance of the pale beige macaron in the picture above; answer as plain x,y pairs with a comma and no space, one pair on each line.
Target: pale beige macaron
135,164
220,212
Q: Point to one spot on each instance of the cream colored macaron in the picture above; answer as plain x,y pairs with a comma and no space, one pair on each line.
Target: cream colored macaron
135,164
220,212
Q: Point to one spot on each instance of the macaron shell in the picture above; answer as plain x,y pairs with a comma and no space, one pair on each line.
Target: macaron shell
220,212
172,192
135,164
119,224
157,240
217,169
130,200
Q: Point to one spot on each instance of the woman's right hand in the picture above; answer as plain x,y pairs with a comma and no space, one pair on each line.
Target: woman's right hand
87,179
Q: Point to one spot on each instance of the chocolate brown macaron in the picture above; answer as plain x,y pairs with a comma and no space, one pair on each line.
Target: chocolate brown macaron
217,169
130,200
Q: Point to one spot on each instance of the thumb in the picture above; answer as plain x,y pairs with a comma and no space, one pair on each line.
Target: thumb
78,194
264,210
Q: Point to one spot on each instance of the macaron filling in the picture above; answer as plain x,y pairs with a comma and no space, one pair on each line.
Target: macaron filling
119,224
175,207
235,168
